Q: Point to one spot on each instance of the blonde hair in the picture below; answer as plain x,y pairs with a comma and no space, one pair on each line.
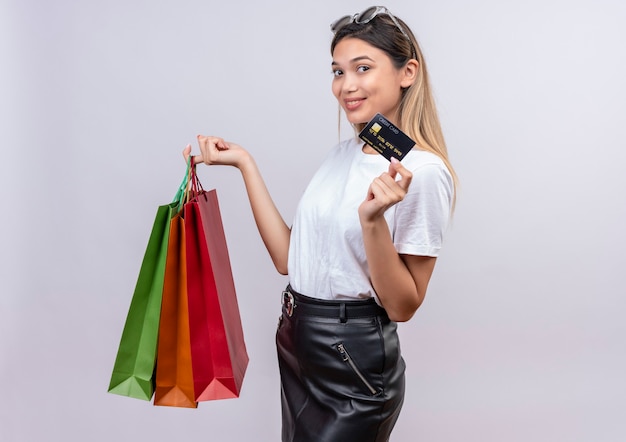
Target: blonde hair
418,116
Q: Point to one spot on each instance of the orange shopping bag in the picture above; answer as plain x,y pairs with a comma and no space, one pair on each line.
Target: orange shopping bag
174,376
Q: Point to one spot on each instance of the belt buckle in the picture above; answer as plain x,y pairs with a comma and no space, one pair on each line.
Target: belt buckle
289,302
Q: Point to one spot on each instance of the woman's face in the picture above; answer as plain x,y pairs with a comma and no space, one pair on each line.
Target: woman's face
366,82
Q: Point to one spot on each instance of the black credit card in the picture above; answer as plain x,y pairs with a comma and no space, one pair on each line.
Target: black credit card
386,139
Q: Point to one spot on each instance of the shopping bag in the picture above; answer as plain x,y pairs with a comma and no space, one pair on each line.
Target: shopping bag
133,370
134,365
219,355
174,376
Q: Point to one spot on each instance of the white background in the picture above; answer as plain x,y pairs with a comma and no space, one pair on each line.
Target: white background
521,337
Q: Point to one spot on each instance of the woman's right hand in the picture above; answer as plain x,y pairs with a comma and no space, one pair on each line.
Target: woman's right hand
214,150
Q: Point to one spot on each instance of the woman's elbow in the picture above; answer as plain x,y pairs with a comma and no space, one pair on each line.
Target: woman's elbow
404,312
401,316
280,263
281,267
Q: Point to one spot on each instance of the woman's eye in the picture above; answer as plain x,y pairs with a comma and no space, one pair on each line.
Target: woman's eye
363,68
337,72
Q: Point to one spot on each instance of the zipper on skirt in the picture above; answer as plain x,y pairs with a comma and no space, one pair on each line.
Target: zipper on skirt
347,359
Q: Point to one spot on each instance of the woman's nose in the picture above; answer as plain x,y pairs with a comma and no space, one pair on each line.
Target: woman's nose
349,83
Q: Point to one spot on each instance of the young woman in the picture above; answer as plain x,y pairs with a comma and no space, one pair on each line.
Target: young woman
363,244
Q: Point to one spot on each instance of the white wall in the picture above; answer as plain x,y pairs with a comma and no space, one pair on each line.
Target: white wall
521,337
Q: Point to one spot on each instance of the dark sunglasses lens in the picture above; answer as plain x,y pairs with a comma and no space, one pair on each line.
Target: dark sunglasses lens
367,15
340,23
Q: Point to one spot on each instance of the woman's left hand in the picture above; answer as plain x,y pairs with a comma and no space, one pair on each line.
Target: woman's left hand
385,191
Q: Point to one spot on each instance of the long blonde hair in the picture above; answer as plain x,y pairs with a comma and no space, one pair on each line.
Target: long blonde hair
418,115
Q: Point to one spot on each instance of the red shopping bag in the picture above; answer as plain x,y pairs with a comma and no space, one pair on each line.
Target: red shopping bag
219,356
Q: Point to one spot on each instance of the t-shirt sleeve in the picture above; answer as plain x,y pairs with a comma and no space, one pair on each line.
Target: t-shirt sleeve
422,217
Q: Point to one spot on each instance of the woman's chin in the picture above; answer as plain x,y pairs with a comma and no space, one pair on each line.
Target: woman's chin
359,120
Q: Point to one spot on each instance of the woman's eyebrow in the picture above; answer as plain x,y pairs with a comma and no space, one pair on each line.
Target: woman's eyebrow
355,60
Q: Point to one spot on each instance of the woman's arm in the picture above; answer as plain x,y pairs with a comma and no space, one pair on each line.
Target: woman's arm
400,281
273,230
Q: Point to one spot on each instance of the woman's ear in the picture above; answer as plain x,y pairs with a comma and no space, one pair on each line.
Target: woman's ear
411,69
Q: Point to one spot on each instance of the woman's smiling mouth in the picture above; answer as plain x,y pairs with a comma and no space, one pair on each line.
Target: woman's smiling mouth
353,103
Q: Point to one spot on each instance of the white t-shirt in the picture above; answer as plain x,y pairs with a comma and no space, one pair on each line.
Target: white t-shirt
326,254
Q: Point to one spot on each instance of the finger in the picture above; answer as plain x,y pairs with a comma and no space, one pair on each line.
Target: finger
206,145
215,141
383,191
202,141
222,145
187,152
392,169
370,193
390,190
210,148
405,174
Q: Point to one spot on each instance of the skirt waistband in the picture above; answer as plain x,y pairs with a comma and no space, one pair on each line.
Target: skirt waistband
296,303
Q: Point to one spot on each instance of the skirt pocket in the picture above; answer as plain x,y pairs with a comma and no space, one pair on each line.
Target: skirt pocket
345,356
346,360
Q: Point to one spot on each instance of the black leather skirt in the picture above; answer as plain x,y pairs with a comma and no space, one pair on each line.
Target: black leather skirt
342,374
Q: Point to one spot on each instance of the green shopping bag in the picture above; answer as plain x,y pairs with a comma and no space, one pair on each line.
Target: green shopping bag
133,371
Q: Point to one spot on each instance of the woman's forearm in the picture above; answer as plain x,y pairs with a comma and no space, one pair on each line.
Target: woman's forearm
273,230
390,277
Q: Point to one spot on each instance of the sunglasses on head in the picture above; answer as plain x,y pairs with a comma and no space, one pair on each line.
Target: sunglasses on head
367,16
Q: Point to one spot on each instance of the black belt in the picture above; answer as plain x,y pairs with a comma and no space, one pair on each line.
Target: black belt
295,303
